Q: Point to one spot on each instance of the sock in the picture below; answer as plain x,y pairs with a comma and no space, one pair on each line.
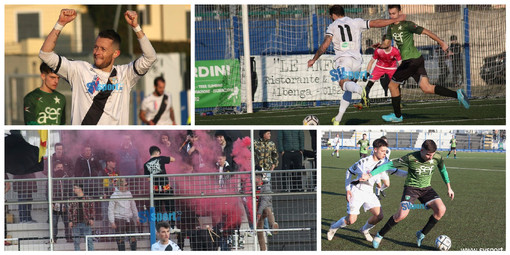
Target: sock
352,87
383,187
387,227
340,223
344,103
377,191
337,154
395,101
442,91
430,224
367,226
449,153
368,87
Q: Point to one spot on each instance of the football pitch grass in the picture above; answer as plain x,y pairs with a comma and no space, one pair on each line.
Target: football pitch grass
474,219
481,112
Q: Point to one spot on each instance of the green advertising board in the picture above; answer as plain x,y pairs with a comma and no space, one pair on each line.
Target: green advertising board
217,83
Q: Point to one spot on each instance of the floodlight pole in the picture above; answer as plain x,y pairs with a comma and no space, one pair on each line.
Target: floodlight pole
247,59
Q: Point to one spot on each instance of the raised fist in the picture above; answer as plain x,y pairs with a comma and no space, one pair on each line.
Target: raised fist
131,18
66,16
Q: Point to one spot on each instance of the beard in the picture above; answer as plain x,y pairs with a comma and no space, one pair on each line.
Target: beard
105,62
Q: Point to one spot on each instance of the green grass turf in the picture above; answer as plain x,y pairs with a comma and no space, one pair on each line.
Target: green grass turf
474,219
482,112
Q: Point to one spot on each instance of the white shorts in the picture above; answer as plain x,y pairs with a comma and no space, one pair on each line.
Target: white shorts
359,198
349,64
384,176
337,147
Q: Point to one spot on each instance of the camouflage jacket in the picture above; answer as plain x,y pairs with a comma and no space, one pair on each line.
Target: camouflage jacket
266,154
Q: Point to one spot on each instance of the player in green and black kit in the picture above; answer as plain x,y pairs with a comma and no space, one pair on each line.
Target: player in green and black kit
44,105
421,164
363,146
413,64
453,147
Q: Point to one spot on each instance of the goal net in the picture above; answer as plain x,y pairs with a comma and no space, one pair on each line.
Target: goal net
284,37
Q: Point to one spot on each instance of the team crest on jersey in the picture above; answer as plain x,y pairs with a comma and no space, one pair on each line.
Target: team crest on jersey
407,197
114,80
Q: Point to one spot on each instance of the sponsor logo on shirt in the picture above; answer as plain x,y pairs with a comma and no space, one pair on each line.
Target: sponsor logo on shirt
50,113
95,85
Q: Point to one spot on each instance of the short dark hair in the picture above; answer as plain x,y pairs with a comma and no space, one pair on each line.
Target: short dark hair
45,68
378,143
154,149
110,158
391,6
159,78
337,10
429,145
220,133
57,162
110,34
162,224
384,137
164,134
58,144
80,185
263,132
453,38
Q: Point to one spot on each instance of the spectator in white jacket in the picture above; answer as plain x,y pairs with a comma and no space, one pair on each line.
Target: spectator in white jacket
123,214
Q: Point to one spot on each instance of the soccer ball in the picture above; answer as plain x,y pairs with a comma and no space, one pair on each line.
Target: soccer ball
311,120
443,243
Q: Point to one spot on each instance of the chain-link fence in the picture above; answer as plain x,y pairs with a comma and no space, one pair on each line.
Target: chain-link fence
207,211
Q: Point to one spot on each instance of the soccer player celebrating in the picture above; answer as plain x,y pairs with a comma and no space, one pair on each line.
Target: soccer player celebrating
345,33
413,64
360,193
453,147
101,92
386,64
363,146
421,164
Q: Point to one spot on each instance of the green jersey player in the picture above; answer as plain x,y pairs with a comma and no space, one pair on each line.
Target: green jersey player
413,64
453,147
363,146
421,164
44,105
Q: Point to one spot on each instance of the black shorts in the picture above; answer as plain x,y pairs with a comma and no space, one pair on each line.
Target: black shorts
414,67
363,155
453,148
424,195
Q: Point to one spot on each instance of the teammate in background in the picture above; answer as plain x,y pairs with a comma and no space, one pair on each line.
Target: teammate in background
101,92
345,33
413,64
421,165
45,105
363,146
164,243
453,147
360,192
385,64
383,182
336,143
157,107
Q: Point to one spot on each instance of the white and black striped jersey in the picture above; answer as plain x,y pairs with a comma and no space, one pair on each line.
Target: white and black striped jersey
87,81
363,166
